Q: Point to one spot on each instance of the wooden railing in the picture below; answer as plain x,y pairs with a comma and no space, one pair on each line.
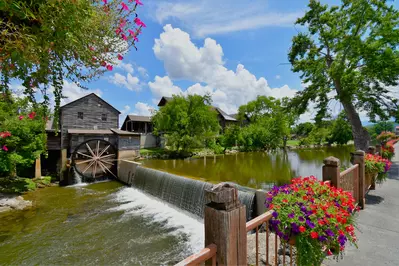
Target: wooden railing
256,223
208,253
349,180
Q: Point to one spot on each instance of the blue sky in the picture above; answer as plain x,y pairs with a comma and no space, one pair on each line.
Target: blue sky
234,50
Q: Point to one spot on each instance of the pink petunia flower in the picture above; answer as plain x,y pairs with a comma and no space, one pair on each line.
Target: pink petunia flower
124,6
5,148
21,117
109,67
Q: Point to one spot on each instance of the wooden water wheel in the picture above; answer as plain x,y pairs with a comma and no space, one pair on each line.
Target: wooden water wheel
95,159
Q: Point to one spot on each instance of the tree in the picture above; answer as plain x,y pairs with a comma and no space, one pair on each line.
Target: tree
304,129
22,136
44,41
341,131
271,114
350,51
187,122
232,136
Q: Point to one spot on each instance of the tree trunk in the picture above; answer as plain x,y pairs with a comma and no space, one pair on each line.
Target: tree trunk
360,135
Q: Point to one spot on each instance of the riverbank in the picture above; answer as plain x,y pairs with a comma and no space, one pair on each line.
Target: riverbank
11,190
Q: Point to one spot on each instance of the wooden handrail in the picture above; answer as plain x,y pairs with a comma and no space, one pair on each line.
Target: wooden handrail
209,252
347,171
259,220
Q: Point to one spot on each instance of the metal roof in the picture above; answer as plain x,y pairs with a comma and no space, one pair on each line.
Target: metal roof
125,133
88,96
139,118
225,116
90,131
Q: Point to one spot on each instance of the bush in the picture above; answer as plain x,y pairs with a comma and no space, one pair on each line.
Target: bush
16,185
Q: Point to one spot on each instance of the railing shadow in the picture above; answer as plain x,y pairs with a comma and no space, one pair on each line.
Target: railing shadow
373,199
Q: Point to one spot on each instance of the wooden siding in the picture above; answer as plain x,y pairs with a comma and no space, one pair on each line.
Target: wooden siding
129,143
92,108
53,141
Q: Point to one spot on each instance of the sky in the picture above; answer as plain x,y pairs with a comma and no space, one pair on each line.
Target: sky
234,50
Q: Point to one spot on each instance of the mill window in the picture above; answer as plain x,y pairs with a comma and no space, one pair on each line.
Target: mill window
104,117
80,115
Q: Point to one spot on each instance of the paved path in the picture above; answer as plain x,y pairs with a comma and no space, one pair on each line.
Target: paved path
378,225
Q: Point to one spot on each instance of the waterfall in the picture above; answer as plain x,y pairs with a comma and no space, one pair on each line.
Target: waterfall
75,176
187,194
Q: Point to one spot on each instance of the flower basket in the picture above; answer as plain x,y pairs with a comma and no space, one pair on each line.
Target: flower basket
370,178
376,169
314,217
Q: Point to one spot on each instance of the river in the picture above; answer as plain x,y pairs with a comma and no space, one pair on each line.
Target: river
107,223
98,224
258,170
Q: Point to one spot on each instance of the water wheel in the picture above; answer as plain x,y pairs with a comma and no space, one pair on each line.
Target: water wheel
95,159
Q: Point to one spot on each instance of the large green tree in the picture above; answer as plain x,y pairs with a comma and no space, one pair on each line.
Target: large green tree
340,130
43,42
187,122
350,50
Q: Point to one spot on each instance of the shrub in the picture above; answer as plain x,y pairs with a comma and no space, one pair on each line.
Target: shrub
16,185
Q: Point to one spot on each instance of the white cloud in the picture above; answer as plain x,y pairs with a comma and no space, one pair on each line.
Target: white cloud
143,109
126,67
130,82
163,86
143,72
184,60
123,114
72,92
207,17
278,77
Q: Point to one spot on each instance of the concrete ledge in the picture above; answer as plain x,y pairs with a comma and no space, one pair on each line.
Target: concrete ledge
127,171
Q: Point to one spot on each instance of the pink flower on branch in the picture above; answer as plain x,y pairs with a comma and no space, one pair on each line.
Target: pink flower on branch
135,38
124,36
109,67
139,22
118,31
124,6
105,2
131,32
5,148
120,57
138,2
123,23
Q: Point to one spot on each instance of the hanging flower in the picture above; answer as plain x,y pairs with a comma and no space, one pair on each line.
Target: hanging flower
5,148
32,115
21,117
120,57
124,6
109,67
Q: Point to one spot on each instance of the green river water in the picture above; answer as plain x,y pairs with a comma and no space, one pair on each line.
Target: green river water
109,224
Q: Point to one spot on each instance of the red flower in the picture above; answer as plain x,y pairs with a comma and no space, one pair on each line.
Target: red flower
302,229
32,115
109,67
21,117
124,6
329,253
285,200
314,235
120,57
5,148
321,222
103,64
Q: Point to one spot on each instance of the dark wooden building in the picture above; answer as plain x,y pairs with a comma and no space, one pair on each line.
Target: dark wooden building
138,124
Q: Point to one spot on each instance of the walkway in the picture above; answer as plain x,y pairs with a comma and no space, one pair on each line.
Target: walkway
378,225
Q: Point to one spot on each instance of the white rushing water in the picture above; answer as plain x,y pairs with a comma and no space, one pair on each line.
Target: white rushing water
135,202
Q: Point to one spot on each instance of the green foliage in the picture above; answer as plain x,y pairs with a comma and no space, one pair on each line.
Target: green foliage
341,131
303,129
384,126
349,50
16,185
27,137
187,122
44,180
270,123
44,41
232,136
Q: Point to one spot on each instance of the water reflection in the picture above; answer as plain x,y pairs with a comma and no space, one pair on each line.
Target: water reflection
255,169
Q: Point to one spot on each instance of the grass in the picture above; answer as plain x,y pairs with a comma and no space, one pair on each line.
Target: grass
292,142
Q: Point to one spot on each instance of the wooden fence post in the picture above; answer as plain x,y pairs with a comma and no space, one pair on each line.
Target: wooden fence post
378,149
358,158
225,225
331,171
38,168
